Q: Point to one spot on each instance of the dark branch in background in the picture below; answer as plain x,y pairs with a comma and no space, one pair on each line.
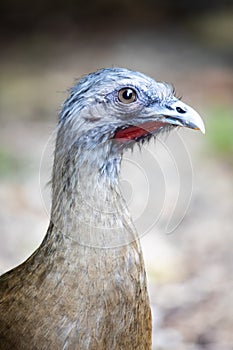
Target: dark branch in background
17,17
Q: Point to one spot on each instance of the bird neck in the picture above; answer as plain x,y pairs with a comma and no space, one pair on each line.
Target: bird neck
87,204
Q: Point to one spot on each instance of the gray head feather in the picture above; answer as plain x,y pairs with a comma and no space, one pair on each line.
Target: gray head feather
93,113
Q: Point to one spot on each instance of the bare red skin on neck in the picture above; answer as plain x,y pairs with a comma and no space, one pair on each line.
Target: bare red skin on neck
134,132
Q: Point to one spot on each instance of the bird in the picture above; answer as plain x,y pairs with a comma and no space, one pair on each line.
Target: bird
85,286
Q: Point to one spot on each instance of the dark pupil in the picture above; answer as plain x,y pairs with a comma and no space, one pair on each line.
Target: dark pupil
127,94
180,110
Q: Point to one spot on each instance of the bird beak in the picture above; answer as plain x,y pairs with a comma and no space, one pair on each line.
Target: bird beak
176,113
181,114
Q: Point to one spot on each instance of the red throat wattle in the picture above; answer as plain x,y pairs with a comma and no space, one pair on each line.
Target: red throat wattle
135,132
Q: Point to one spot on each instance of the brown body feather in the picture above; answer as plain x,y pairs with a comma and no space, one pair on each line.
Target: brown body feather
67,296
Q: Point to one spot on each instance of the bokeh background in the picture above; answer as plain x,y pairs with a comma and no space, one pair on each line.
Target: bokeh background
44,46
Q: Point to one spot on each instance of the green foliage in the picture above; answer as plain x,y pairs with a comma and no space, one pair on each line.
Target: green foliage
220,131
9,165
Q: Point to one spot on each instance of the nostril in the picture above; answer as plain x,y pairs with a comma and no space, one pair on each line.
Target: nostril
180,110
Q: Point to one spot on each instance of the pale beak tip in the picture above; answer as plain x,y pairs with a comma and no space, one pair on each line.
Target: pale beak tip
197,122
201,128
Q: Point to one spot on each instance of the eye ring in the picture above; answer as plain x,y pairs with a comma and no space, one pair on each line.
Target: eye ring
127,95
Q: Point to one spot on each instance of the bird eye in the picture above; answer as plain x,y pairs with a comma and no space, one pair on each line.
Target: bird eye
127,95
180,110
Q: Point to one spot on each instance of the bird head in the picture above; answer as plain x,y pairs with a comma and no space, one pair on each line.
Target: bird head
117,103
111,110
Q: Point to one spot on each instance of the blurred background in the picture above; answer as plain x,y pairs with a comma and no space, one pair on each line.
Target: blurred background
45,45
